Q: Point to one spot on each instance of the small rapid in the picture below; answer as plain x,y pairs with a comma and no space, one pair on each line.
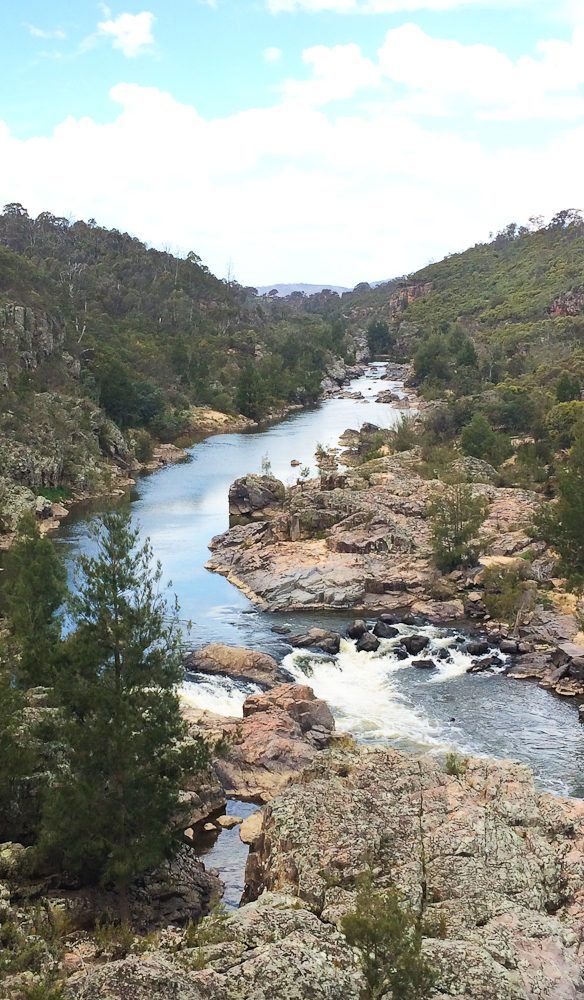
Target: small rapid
374,695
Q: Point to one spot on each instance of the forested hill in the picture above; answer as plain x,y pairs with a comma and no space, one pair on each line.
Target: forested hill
98,332
156,333
519,299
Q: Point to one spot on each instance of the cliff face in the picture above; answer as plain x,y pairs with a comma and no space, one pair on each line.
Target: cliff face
52,436
28,337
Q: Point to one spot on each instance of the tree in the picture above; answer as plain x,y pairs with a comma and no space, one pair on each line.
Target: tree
380,338
562,524
15,754
111,816
33,591
251,393
480,440
568,388
455,518
389,938
432,360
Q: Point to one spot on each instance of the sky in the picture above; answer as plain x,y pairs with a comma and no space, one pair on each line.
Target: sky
324,141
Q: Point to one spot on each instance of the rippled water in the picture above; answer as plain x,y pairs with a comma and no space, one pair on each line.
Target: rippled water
374,695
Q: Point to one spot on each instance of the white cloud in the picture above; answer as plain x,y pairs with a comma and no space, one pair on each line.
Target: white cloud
288,190
337,74
132,33
272,54
380,6
480,79
46,33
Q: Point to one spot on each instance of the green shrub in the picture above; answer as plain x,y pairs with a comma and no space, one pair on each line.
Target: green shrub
454,764
389,938
456,516
503,592
479,440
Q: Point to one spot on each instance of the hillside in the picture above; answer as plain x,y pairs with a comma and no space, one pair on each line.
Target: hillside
99,334
519,298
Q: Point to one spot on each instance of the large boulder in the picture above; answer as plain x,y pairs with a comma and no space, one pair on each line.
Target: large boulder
317,638
415,643
493,867
281,732
235,661
254,498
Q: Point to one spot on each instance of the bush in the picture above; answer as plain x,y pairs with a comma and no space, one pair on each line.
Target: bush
455,518
562,422
568,388
503,593
143,445
479,440
389,938
562,524
454,764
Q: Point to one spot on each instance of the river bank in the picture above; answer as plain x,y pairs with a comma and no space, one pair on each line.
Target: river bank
181,507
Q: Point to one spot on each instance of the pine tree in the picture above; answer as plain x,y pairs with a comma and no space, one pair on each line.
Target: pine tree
455,518
34,589
251,393
562,524
111,817
16,756
389,938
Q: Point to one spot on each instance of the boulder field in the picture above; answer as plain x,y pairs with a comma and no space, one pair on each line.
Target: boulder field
493,868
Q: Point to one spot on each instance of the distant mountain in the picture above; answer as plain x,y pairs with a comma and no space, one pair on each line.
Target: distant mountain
284,290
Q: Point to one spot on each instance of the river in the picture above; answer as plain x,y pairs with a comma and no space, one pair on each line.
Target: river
380,699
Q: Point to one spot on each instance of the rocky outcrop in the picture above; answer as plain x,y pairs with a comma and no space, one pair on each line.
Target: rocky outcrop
494,869
560,670
254,498
365,545
274,949
28,337
237,662
280,733
568,304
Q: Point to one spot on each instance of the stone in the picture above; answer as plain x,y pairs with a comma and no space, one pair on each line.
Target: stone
209,828
251,828
317,638
228,822
368,643
414,644
281,733
508,647
235,661
383,631
424,664
255,498
478,647
494,863
357,629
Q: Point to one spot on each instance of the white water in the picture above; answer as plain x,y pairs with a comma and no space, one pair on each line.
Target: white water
217,694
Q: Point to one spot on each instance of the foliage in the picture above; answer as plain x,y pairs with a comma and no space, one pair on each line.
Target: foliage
562,524
563,420
380,339
389,939
16,755
480,440
503,591
568,388
251,393
456,516
454,764
404,435
33,590
110,816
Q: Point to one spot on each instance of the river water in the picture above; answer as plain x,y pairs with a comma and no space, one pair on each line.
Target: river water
377,697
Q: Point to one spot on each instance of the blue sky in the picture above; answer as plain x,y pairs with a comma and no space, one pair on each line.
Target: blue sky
316,140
